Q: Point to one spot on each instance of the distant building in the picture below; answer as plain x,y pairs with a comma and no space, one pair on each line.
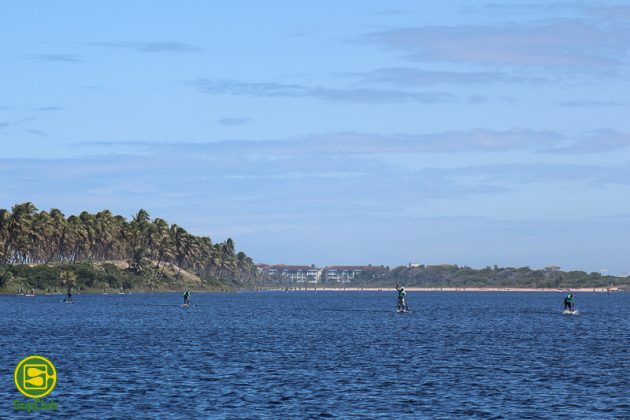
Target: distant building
344,273
414,265
314,275
293,273
261,269
281,273
552,268
290,273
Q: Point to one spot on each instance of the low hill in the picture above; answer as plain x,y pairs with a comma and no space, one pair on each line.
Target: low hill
105,276
455,276
103,250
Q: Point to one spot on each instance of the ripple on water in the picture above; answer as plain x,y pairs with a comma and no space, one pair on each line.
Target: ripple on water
326,355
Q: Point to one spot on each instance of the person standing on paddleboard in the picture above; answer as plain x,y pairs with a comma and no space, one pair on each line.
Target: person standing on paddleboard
402,305
186,297
569,303
69,295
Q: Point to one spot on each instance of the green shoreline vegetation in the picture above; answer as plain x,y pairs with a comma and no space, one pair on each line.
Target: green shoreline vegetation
448,275
103,253
454,276
45,251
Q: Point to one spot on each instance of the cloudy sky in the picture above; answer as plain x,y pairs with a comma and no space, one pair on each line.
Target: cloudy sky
331,132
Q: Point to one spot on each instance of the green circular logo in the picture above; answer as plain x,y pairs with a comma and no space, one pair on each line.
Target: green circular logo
35,376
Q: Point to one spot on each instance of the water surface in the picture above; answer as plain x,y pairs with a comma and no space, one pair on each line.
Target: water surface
328,354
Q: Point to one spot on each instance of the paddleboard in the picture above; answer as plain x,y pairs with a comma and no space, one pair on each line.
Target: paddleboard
68,302
185,306
403,312
566,312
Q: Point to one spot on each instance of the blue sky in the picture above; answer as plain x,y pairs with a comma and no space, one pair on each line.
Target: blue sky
331,132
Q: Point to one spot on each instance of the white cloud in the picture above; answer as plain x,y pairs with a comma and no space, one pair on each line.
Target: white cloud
357,143
356,95
560,44
57,58
152,47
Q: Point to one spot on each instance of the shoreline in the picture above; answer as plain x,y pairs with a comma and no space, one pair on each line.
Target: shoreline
4,292
616,289
449,289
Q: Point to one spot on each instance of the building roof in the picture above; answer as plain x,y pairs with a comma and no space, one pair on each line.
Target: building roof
290,267
349,267
310,267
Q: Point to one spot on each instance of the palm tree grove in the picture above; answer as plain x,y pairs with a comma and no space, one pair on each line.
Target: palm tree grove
45,250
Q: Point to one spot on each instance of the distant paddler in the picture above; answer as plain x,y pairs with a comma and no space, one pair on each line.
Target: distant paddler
569,303
402,304
187,298
68,298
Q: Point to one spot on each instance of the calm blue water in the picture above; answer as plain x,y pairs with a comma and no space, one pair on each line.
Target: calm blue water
329,354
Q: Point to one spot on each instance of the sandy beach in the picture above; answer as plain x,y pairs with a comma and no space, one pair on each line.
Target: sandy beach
452,289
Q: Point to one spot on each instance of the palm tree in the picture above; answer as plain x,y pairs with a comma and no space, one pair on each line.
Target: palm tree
68,279
160,241
57,237
29,236
5,217
19,223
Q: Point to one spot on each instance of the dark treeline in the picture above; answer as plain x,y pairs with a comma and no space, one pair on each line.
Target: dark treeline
455,276
29,236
